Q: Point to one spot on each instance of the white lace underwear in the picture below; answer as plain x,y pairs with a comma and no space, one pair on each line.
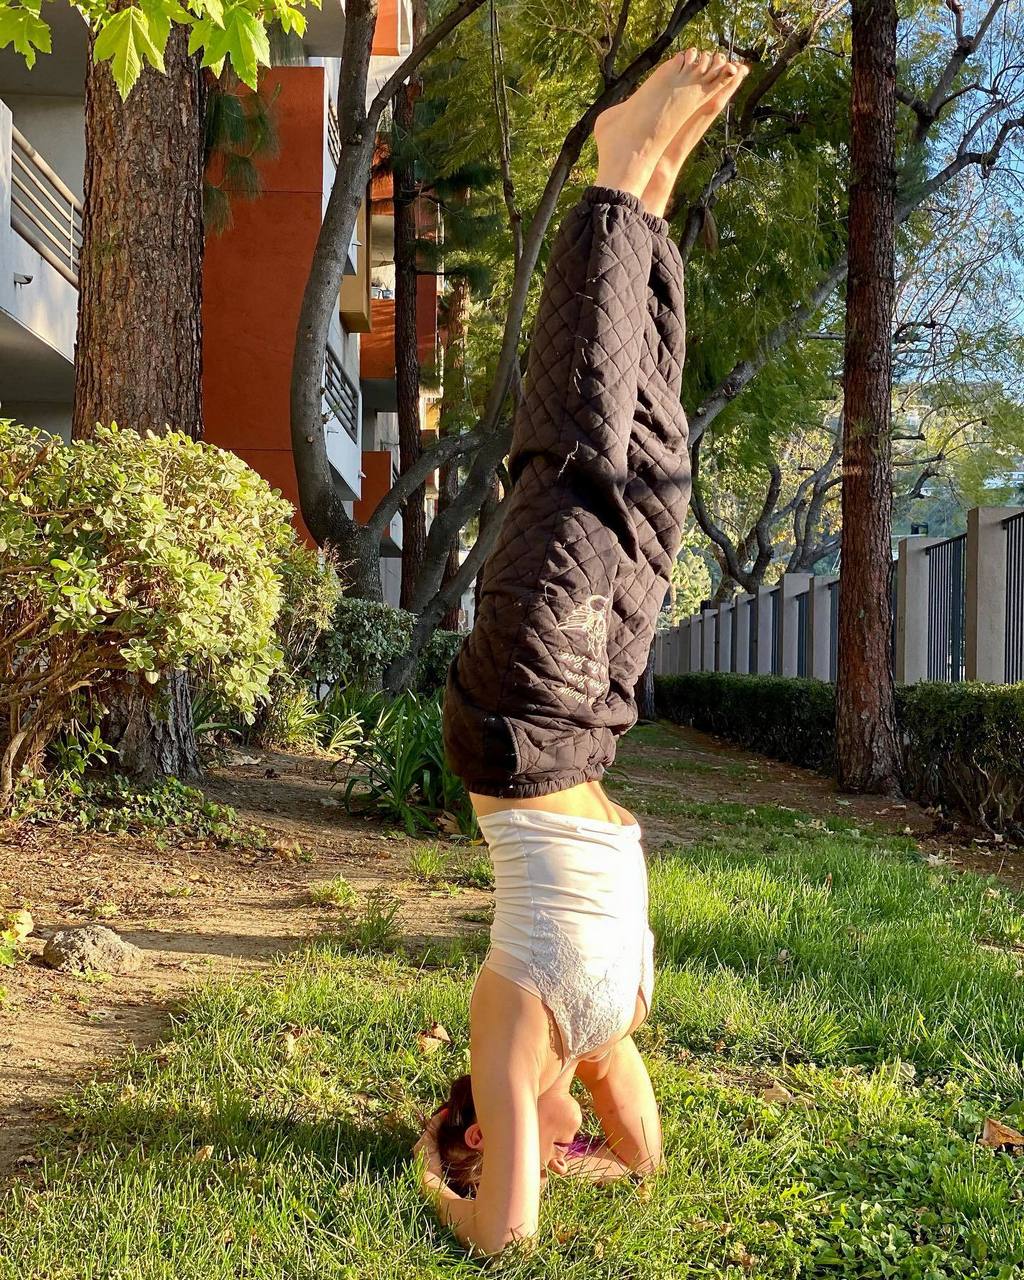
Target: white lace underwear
570,920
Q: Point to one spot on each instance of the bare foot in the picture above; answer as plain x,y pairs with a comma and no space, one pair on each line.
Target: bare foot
663,180
633,136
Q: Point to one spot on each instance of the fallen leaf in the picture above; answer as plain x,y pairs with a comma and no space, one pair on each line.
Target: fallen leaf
448,823
741,1255
204,1153
995,1134
778,1093
21,924
433,1038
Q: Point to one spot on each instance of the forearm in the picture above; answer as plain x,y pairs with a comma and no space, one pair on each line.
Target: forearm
624,1103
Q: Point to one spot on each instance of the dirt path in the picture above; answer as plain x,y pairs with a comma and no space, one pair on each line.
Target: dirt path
196,911
199,911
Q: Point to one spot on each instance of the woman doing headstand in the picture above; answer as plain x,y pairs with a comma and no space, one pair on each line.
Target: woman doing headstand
544,685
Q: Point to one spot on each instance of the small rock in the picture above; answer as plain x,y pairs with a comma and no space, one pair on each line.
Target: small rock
93,947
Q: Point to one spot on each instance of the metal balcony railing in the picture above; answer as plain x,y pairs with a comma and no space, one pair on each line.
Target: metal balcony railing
333,135
44,210
341,396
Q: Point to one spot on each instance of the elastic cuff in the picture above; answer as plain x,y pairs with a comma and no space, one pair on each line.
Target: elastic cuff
628,200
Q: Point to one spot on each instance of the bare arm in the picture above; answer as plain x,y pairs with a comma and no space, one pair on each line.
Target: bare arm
624,1103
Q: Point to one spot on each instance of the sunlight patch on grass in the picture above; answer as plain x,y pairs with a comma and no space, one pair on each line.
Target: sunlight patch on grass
271,1137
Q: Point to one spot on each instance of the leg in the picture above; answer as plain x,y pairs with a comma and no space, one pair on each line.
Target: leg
520,716
527,711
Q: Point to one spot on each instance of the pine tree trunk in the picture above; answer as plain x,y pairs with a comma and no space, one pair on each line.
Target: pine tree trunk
139,348
407,361
866,740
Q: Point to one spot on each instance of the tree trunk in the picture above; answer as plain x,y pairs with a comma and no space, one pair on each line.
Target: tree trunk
139,349
488,513
407,362
451,405
866,741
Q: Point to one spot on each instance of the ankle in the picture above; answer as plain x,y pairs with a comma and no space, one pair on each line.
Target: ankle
619,177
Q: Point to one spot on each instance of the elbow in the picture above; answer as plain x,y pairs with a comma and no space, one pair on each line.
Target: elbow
649,1165
490,1244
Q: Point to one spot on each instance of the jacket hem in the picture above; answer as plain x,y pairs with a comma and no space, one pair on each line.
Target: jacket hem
524,790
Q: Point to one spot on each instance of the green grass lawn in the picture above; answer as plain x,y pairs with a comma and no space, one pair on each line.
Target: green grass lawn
269,1139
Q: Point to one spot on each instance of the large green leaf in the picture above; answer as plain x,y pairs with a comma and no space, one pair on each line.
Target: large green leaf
124,41
25,29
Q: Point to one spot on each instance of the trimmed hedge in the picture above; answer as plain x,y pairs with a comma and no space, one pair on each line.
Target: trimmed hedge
963,743
789,719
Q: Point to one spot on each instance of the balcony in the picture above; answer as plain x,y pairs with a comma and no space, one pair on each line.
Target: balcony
379,474
342,412
40,240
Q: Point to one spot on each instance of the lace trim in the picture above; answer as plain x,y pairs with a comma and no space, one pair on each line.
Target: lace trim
590,1005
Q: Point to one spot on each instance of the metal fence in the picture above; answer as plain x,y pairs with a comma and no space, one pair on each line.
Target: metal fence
44,210
947,598
803,619
956,605
1013,527
776,599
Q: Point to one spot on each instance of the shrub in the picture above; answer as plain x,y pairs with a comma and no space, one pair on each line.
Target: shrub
432,671
963,744
129,553
779,716
363,638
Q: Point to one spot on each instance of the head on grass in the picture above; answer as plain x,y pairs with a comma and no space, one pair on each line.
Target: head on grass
460,1140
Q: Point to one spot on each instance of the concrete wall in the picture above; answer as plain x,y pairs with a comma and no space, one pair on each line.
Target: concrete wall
55,418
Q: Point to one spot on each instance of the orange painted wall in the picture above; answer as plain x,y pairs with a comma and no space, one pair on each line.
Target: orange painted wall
377,348
253,278
376,468
385,33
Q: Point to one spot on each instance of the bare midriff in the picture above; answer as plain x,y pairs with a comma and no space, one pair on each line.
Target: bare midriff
587,800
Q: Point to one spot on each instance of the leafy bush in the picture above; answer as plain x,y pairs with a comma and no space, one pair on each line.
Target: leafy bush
437,657
129,553
964,747
779,716
363,638
311,592
963,744
401,768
